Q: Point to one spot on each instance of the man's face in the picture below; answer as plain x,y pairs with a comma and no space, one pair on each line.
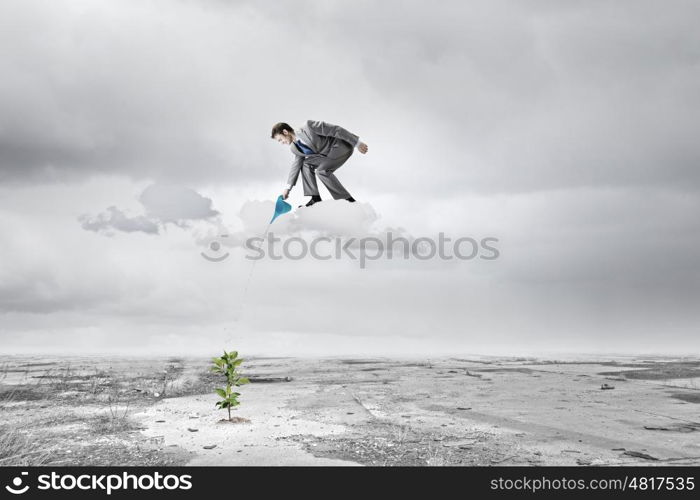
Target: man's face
284,138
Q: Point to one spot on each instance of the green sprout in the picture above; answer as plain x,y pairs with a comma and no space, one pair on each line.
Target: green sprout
227,365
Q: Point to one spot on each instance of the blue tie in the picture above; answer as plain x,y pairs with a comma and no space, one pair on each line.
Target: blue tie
304,148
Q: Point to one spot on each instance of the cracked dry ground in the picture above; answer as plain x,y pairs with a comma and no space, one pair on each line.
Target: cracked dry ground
505,411
447,411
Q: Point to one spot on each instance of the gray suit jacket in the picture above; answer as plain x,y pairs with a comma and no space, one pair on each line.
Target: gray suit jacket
323,138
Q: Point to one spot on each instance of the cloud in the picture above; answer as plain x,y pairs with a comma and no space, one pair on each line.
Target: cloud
570,277
502,97
176,204
113,219
334,217
331,218
163,204
566,129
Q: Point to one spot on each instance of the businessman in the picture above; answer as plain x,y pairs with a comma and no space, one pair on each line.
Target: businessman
319,148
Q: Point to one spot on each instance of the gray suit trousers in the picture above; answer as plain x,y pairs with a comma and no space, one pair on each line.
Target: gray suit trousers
325,167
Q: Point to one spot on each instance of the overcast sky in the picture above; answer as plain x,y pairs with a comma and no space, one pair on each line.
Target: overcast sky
132,133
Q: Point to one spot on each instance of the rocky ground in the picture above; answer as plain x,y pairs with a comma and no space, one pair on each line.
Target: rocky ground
340,411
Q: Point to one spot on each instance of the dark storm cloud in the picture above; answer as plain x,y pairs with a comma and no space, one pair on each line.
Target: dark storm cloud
541,96
93,88
503,95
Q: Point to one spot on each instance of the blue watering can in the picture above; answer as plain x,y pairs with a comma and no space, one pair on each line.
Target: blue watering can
281,207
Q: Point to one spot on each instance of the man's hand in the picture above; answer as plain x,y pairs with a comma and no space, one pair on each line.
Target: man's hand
362,147
285,194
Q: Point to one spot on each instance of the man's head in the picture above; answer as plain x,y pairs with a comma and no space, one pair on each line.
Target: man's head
283,133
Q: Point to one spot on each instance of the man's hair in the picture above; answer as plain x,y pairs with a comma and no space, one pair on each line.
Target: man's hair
279,127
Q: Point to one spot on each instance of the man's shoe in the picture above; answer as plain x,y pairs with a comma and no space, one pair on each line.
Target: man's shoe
350,199
314,199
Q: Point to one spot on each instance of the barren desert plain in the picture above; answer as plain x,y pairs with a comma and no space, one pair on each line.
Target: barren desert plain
470,410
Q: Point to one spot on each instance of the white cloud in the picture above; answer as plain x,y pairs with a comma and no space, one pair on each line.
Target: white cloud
176,204
163,204
113,219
